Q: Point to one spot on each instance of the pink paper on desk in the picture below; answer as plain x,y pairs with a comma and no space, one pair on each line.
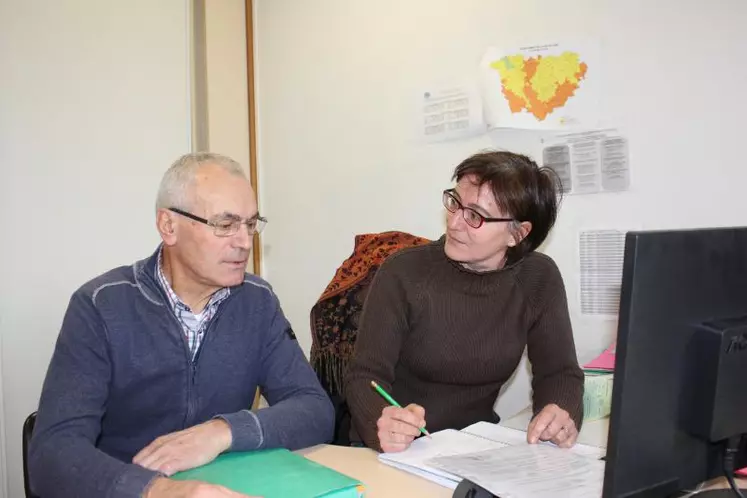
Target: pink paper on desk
742,472
605,361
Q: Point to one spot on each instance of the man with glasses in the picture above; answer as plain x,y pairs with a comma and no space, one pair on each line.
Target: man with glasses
445,324
157,364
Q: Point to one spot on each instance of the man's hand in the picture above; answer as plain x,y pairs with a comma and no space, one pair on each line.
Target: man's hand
553,424
168,488
398,427
186,449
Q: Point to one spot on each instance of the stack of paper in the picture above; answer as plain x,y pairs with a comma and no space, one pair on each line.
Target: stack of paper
514,437
482,437
536,471
598,381
597,395
446,442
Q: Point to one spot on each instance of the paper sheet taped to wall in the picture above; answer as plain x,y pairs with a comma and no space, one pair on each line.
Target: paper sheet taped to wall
589,162
601,255
449,113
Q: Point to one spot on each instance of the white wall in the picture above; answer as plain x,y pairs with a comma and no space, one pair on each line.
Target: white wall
94,105
336,84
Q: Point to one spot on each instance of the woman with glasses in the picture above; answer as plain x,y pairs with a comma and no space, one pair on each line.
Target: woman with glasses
445,324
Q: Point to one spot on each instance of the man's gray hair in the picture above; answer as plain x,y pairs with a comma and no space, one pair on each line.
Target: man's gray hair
174,190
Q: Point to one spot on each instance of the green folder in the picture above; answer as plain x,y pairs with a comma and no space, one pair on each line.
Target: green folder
274,473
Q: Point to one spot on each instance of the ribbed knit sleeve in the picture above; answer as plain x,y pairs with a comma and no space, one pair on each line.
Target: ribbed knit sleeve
383,325
556,375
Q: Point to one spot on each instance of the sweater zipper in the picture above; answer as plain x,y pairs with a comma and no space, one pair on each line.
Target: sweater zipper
192,365
190,369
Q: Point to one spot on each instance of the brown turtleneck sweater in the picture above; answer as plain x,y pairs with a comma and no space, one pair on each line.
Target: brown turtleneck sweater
447,338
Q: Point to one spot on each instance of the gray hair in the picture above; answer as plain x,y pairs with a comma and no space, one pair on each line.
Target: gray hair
176,182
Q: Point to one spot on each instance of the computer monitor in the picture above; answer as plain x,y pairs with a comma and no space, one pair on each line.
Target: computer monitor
677,286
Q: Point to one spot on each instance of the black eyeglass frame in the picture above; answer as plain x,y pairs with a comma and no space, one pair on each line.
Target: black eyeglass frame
261,222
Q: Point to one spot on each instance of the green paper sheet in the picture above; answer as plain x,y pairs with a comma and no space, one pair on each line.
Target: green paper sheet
275,473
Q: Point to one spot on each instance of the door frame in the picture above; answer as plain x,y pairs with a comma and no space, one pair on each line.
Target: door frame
253,175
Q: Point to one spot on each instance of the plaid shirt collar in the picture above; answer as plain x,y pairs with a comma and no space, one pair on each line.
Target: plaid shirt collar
193,325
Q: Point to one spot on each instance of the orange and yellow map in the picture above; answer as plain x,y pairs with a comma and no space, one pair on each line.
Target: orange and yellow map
539,84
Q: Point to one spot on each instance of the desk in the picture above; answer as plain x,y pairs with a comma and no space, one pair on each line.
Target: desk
383,481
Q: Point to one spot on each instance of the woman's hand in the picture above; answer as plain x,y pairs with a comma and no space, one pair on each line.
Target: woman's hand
553,424
398,427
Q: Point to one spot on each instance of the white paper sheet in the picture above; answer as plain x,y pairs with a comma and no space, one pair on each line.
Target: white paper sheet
449,113
512,437
446,442
536,471
601,255
588,162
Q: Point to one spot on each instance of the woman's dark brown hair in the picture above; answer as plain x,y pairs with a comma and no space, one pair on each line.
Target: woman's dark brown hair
523,191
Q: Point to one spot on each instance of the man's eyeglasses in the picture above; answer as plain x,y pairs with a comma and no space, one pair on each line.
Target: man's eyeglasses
227,225
472,217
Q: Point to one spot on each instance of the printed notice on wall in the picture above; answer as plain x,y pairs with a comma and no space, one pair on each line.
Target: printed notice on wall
601,260
589,162
450,113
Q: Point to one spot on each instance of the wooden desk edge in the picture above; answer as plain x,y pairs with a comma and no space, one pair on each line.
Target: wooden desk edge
380,480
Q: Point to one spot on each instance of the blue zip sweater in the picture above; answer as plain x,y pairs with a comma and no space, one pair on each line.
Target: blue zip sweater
121,376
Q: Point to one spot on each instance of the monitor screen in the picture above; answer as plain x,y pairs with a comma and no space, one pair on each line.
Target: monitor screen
672,281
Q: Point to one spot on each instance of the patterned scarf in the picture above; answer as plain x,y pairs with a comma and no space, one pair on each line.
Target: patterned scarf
335,316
